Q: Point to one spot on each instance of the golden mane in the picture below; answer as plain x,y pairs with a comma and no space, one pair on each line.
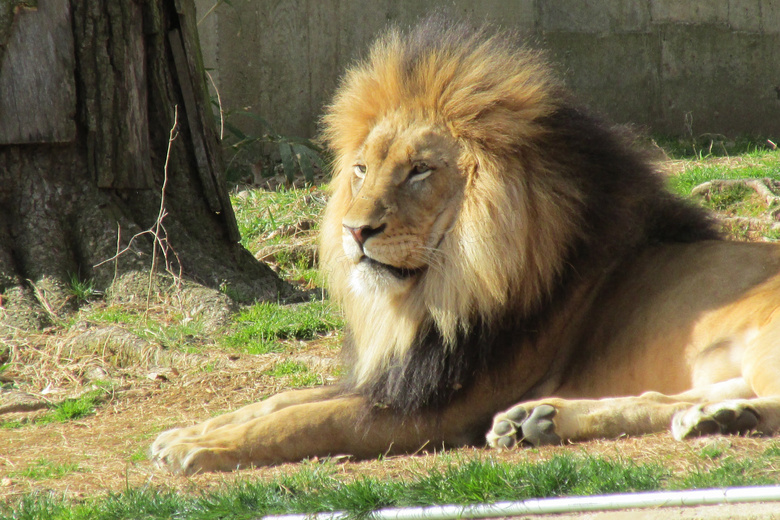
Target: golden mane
501,255
523,213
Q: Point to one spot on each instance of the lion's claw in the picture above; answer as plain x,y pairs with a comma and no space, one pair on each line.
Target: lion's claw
518,425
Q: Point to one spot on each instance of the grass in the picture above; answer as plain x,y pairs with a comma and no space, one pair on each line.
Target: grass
766,164
731,472
319,487
67,410
113,314
260,328
295,374
138,456
281,227
82,290
43,469
181,335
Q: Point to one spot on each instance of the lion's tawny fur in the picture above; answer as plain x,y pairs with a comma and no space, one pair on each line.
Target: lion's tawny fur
525,212
489,95
501,255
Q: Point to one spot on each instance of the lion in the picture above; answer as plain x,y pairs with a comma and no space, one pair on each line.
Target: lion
511,272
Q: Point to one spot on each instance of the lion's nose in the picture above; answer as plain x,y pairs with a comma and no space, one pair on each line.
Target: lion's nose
363,233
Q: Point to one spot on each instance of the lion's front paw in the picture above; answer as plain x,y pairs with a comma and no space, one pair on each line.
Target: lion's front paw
526,424
165,439
180,451
187,458
728,417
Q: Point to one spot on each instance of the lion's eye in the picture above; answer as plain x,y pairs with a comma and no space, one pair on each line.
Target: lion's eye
360,170
419,172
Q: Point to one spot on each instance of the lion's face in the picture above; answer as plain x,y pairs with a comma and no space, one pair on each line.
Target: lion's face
406,186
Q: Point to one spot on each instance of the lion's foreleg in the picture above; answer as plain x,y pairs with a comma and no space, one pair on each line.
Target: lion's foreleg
242,415
342,425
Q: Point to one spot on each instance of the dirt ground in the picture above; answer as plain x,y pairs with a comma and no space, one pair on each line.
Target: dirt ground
108,446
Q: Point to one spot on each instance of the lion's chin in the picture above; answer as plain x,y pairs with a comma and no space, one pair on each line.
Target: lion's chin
371,275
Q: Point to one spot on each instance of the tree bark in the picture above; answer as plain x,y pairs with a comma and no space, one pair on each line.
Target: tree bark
90,90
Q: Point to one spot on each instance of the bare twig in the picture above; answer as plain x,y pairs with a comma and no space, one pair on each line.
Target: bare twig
157,230
158,225
219,103
211,10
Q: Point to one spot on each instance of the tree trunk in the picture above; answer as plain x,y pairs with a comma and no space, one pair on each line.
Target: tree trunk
89,93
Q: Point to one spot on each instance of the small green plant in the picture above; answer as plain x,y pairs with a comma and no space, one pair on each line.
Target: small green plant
138,456
208,368
82,290
298,374
181,335
72,409
43,469
298,155
772,235
113,314
13,424
712,451
773,450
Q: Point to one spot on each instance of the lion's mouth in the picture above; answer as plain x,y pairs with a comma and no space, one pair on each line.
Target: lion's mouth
402,273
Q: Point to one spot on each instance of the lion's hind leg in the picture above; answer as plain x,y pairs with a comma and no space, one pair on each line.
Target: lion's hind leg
756,412
553,421
759,411
733,417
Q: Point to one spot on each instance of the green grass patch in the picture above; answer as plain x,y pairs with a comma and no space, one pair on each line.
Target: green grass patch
281,227
259,328
260,212
171,331
43,469
766,165
730,472
67,410
138,456
773,450
13,424
318,487
186,337
297,374
82,290
72,409
113,314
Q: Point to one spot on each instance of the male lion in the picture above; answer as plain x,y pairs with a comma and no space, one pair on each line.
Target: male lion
490,245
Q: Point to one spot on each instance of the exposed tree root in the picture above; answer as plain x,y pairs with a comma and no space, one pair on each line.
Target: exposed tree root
765,188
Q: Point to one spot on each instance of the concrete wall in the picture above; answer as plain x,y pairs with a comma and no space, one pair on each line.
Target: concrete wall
713,65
